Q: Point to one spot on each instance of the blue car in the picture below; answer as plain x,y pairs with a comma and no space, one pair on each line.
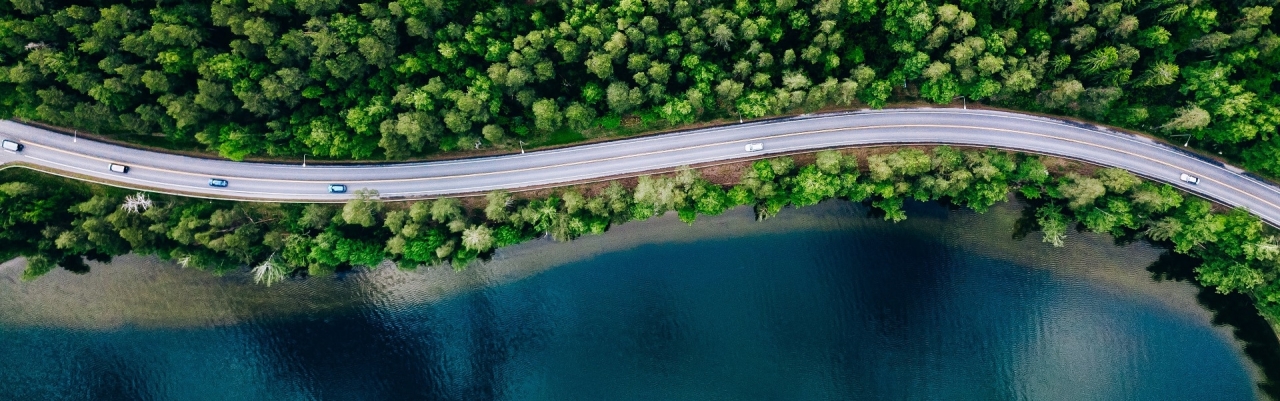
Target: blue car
337,188
217,182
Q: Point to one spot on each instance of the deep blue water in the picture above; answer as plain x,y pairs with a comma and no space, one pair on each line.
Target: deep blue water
868,313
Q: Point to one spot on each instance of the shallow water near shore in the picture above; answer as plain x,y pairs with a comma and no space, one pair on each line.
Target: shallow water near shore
818,303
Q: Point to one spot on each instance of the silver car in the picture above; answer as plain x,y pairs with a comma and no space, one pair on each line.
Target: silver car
755,147
1190,178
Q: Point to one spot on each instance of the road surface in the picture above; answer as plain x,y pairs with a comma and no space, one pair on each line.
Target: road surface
86,159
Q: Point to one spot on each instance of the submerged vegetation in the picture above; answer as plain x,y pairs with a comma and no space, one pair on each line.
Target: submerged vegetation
397,79
52,221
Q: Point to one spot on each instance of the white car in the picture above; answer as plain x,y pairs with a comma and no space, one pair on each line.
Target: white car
752,147
118,168
11,146
1189,178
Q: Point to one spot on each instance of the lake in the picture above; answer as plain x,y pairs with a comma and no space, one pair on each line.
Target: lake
821,303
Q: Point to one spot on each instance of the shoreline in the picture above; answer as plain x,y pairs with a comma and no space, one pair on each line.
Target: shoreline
234,299
524,260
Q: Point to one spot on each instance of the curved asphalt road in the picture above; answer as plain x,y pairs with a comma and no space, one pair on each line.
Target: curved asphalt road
277,182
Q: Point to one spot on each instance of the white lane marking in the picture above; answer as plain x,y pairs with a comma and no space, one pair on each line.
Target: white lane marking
587,176
157,184
861,128
709,131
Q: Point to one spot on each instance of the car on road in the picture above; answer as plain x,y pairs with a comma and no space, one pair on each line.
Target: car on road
11,146
217,182
337,188
1190,178
753,147
118,168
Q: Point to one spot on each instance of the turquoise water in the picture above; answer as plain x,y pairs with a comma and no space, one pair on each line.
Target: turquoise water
820,303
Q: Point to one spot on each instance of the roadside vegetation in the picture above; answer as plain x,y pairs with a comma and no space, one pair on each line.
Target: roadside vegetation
400,79
58,222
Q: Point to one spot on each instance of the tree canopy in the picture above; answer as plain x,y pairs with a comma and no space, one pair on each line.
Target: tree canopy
396,79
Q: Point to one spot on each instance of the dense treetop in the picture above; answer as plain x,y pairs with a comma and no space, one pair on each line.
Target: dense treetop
404,78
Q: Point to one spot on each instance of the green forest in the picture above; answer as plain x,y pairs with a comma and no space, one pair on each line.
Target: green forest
404,79
59,222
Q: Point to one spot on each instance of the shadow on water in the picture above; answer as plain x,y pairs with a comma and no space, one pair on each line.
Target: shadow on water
315,360
1236,310
112,377
463,365
938,209
1026,222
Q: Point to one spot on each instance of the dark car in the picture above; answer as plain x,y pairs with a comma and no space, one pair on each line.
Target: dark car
217,182
337,188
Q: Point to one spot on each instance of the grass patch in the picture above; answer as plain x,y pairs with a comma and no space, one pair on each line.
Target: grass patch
561,136
162,142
